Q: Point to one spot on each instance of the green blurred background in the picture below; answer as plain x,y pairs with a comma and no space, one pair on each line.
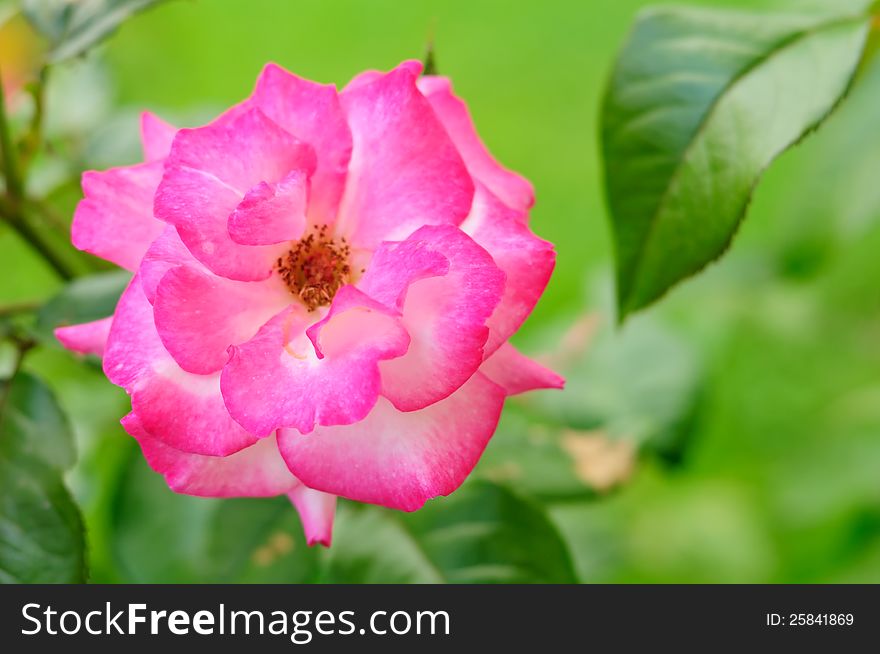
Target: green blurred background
729,434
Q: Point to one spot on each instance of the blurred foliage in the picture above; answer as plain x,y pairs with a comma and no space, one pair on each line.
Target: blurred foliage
41,531
73,26
730,434
483,533
83,300
158,536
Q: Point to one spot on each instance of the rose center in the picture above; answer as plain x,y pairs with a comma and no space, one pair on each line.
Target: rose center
315,268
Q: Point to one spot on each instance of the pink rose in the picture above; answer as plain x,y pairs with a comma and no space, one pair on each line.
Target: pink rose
325,283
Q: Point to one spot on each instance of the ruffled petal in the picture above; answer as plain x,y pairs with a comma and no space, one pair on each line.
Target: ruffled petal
286,377
156,136
256,471
85,338
165,253
527,260
517,373
115,219
241,150
513,189
396,459
316,511
312,113
209,172
271,213
183,410
367,76
405,171
448,286
199,315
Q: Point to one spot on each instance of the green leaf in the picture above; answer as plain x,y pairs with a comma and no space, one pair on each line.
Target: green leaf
482,533
162,537
74,26
34,426
700,102
41,531
83,300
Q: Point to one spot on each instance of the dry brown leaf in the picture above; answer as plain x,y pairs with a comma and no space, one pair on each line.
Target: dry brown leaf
599,461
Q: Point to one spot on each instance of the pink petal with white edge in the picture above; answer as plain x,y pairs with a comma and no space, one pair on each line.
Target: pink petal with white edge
367,76
156,136
277,379
405,171
272,212
208,173
85,338
199,205
399,460
513,189
241,150
527,260
312,113
182,410
445,314
115,219
256,471
316,511
165,253
517,373
199,315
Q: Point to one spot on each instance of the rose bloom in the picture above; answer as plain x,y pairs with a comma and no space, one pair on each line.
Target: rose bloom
324,286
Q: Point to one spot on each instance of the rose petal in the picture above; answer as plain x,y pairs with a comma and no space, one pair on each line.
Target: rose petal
404,172
156,136
182,410
527,260
513,189
115,219
241,150
517,373
399,460
207,174
277,379
165,253
85,338
198,205
199,315
316,511
256,471
312,113
271,213
367,76
445,314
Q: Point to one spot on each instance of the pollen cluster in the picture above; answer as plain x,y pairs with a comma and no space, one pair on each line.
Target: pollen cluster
315,268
